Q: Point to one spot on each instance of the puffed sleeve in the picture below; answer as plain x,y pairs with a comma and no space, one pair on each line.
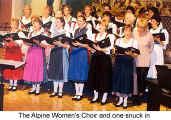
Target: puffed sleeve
89,31
112,39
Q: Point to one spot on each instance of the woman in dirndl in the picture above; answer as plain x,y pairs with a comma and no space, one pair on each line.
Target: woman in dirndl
157,56
78,64
35,71
124,70
13,52
100,73
58,64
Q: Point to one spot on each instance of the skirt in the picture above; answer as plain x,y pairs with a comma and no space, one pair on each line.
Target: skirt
58,65
15,54
78,65
100,73
157,58
35,69
123,75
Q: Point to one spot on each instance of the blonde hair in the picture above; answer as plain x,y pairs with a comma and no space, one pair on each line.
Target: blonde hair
27,7
15,21
142,22
104,23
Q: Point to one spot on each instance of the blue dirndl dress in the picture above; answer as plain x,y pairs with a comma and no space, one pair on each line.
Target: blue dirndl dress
78,64
123,78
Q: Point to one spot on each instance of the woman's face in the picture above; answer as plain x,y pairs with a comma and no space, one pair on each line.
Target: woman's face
67,11
87,11
141,30
129,11
14,25
127,32
36,26
80,22
150,14
106,8
107,18
27,12
59,24
101,28
59,14
154,23
46,12
79,14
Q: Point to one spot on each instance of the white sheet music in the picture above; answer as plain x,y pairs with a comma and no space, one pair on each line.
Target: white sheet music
16,64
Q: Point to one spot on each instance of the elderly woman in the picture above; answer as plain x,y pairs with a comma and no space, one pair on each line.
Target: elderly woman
145,45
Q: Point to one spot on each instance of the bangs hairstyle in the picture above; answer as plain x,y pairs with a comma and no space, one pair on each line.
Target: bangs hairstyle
61,19
83,17
81,12
36,19
15,21
157,18
131,8
107,14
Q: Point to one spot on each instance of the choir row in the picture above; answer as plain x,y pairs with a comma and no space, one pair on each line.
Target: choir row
61,62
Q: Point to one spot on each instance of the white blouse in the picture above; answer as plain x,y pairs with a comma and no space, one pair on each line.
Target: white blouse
161,30
99,38
132,43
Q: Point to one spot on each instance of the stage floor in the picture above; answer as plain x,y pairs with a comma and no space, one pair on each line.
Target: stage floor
22,101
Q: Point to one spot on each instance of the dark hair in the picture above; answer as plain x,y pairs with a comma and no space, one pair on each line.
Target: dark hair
154,10
67,6
157,18
142,10
131,8
82,17
107,5
128,26
62,20
107,14
81,11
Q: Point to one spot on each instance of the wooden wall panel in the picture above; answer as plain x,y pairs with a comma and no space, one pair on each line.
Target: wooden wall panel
5,14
